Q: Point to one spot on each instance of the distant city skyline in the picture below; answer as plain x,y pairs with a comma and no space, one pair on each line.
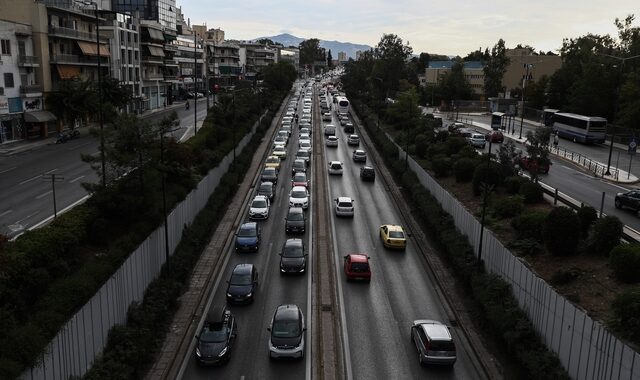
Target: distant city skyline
452,28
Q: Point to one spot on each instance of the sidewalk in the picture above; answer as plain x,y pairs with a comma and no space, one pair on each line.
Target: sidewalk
597,168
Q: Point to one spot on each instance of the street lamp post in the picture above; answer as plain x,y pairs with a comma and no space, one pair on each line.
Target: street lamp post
524,89
195,83
615,113
485,197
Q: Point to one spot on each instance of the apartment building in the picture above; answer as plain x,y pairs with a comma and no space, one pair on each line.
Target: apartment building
473,72
539,65
254,57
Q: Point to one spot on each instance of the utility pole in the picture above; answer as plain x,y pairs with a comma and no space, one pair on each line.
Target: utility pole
53,178
195,83
524,88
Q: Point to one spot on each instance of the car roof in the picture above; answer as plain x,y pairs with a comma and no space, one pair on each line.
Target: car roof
299,161
434,329
248,225
366,168
333,137
299,188
243,268
344,199
358,257
353,135
266,183
287,312
358,151
296,210
335,162
260,197
393,227
269,168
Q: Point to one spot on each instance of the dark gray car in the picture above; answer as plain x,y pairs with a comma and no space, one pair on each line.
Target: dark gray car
267,189
295,222
269,175
293,258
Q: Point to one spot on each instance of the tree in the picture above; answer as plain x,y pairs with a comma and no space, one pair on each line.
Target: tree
311,52
266,41
329,60
477,55
538,149
279,76
537,92
74,100
495,68
391,54
454,85
404,113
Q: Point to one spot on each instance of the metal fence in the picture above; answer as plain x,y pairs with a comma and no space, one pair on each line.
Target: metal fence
585,348
82,338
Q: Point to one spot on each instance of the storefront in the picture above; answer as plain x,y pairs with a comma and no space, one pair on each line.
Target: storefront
11,123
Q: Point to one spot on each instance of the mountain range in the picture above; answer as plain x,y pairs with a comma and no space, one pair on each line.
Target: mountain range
335,46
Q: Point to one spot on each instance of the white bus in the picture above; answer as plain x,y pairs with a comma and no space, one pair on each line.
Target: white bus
584,129
342,107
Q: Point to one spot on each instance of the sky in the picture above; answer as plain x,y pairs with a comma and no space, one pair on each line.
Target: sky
453,27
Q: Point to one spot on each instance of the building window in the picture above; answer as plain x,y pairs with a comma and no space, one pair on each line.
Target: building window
8,80
6,47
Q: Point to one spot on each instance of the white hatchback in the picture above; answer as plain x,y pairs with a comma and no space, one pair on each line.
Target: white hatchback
344,206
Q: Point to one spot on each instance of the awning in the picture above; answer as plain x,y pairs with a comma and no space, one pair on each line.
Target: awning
155,34
156,51
68,72
169,37
89,48
39,117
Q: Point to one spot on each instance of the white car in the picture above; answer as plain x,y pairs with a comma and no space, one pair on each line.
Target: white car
344,206
304,154
280,151
332,141
279,140
326,116
299,197
329,130
305,144
477,140
335,167
304,136
259,207
353,140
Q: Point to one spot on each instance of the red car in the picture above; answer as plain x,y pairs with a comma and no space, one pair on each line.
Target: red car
300,179
537,166
495,137
356,267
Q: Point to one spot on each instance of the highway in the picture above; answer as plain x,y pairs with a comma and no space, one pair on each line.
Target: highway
27,199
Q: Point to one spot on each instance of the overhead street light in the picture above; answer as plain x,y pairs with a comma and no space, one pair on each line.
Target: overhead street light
527,66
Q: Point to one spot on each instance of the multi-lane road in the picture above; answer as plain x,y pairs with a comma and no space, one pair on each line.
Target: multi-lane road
27,198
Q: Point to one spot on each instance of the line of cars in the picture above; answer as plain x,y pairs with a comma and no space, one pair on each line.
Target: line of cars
287,327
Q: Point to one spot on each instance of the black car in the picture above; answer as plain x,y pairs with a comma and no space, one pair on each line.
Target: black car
293,258
367,173
216,338
630,199
348,128
242,284
269,175
295,222
287,332
267,189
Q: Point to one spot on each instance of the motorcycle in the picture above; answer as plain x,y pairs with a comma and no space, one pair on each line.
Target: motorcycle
62,138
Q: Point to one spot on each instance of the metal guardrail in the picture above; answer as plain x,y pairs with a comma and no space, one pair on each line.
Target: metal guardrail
597,168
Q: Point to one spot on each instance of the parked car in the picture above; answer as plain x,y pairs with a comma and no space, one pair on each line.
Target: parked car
248,237
393,236
259,208
299,166
295,221
287,333
630,199
495,137
353,140
434,342
242,284
454,126
216,339
344,206
332,141
293,258
367,173
356,267
299,197
359,155
335,167
532,165
477,140
267,189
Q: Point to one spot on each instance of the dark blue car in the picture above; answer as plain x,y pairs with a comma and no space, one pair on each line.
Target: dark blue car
248,237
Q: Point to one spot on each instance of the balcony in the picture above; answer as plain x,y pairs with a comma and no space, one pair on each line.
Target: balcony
153,76
59,31
77,59
30,89
28,61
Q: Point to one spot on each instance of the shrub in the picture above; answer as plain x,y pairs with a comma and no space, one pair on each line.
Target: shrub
626,311
561,231
587,216
605,235
421,145
463,169
624,260
531,191
527,247
509,206
512,184
441,166
565,276
489,174
529,224
455,144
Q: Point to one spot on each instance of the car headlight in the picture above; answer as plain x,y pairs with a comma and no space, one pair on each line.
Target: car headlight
249,294
229,295
224,351
198,354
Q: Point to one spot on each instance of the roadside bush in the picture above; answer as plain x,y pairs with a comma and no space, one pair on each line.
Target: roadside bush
508,206
626,311
624,260
434,150
527,247
531,191
512,184
455,144
561,231
587,216
421,144
463,169
489,174
605,234
565,276
441,166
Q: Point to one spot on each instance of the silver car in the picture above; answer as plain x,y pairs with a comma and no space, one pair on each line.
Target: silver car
433,342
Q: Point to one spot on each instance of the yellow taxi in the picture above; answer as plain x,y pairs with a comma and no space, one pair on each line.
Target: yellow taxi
273,162
393,236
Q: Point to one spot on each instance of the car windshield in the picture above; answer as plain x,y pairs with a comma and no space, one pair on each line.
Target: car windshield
216,334
246,231
269,172
344,204
299,178
278,148
303,153
298,194
336,166
266,187
295,216
273,160
442,345
360,267
286,329
396,234
259,203
242,278
293,250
